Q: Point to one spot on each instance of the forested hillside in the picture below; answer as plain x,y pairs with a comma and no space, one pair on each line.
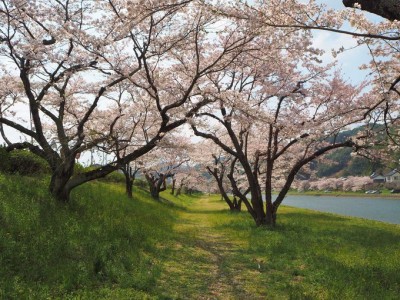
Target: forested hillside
340,162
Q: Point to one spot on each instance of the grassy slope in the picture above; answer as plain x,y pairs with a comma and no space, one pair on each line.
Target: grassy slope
104,246
100,246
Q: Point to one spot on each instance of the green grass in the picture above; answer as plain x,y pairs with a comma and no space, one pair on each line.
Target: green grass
105,246
308,256
100,242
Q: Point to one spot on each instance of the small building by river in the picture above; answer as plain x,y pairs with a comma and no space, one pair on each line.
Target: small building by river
378,178
393,176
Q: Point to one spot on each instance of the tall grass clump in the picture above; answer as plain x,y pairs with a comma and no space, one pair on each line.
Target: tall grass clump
100,242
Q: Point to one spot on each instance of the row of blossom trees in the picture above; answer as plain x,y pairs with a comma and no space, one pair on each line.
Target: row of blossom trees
351,183
121,75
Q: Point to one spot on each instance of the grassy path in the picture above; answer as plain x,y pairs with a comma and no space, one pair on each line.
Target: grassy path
201,265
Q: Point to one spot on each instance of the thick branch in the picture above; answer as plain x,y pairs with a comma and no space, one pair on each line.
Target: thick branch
302,163
389,9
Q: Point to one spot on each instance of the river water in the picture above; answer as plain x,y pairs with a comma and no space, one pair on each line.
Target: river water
376,208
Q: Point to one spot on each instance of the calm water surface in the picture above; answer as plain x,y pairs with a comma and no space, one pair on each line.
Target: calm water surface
380,209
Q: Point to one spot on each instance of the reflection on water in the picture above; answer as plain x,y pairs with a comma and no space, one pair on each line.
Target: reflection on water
380,209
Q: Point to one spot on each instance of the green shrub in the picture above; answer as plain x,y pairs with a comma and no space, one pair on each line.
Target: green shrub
115,176
4,160
142,183
22,162
78,168
26,163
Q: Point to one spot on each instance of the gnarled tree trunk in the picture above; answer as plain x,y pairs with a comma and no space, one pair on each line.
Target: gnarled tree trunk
59,184
157,184
130,175
388,9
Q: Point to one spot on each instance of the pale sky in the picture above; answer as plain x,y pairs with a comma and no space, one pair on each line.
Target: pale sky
349,61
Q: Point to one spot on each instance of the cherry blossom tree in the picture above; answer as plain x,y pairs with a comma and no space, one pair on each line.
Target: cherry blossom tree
379,38
354,184
190,179
351,183
136,123
66,59
181,180
277,111
164,162
302,185
223,168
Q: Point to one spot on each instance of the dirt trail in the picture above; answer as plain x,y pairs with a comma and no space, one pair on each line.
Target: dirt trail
217,247
210,250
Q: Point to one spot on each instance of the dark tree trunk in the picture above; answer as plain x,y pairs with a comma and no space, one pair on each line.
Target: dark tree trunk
157,184
257,205
178,191
180,187
225,196
154,192
270,218
60,186
236,204
129,179
270,210
388,9
173,186
129,186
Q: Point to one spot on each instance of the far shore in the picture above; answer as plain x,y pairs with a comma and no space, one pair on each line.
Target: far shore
345,194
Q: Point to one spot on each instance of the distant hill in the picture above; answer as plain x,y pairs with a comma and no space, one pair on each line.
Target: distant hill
342,163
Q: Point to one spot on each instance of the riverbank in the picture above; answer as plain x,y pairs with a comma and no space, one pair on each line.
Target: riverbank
383,194
378,209
105,246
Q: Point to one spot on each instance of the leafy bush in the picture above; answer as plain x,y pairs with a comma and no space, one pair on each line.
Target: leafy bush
26,163
22,162
141,183
78,168
4,160
115,176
